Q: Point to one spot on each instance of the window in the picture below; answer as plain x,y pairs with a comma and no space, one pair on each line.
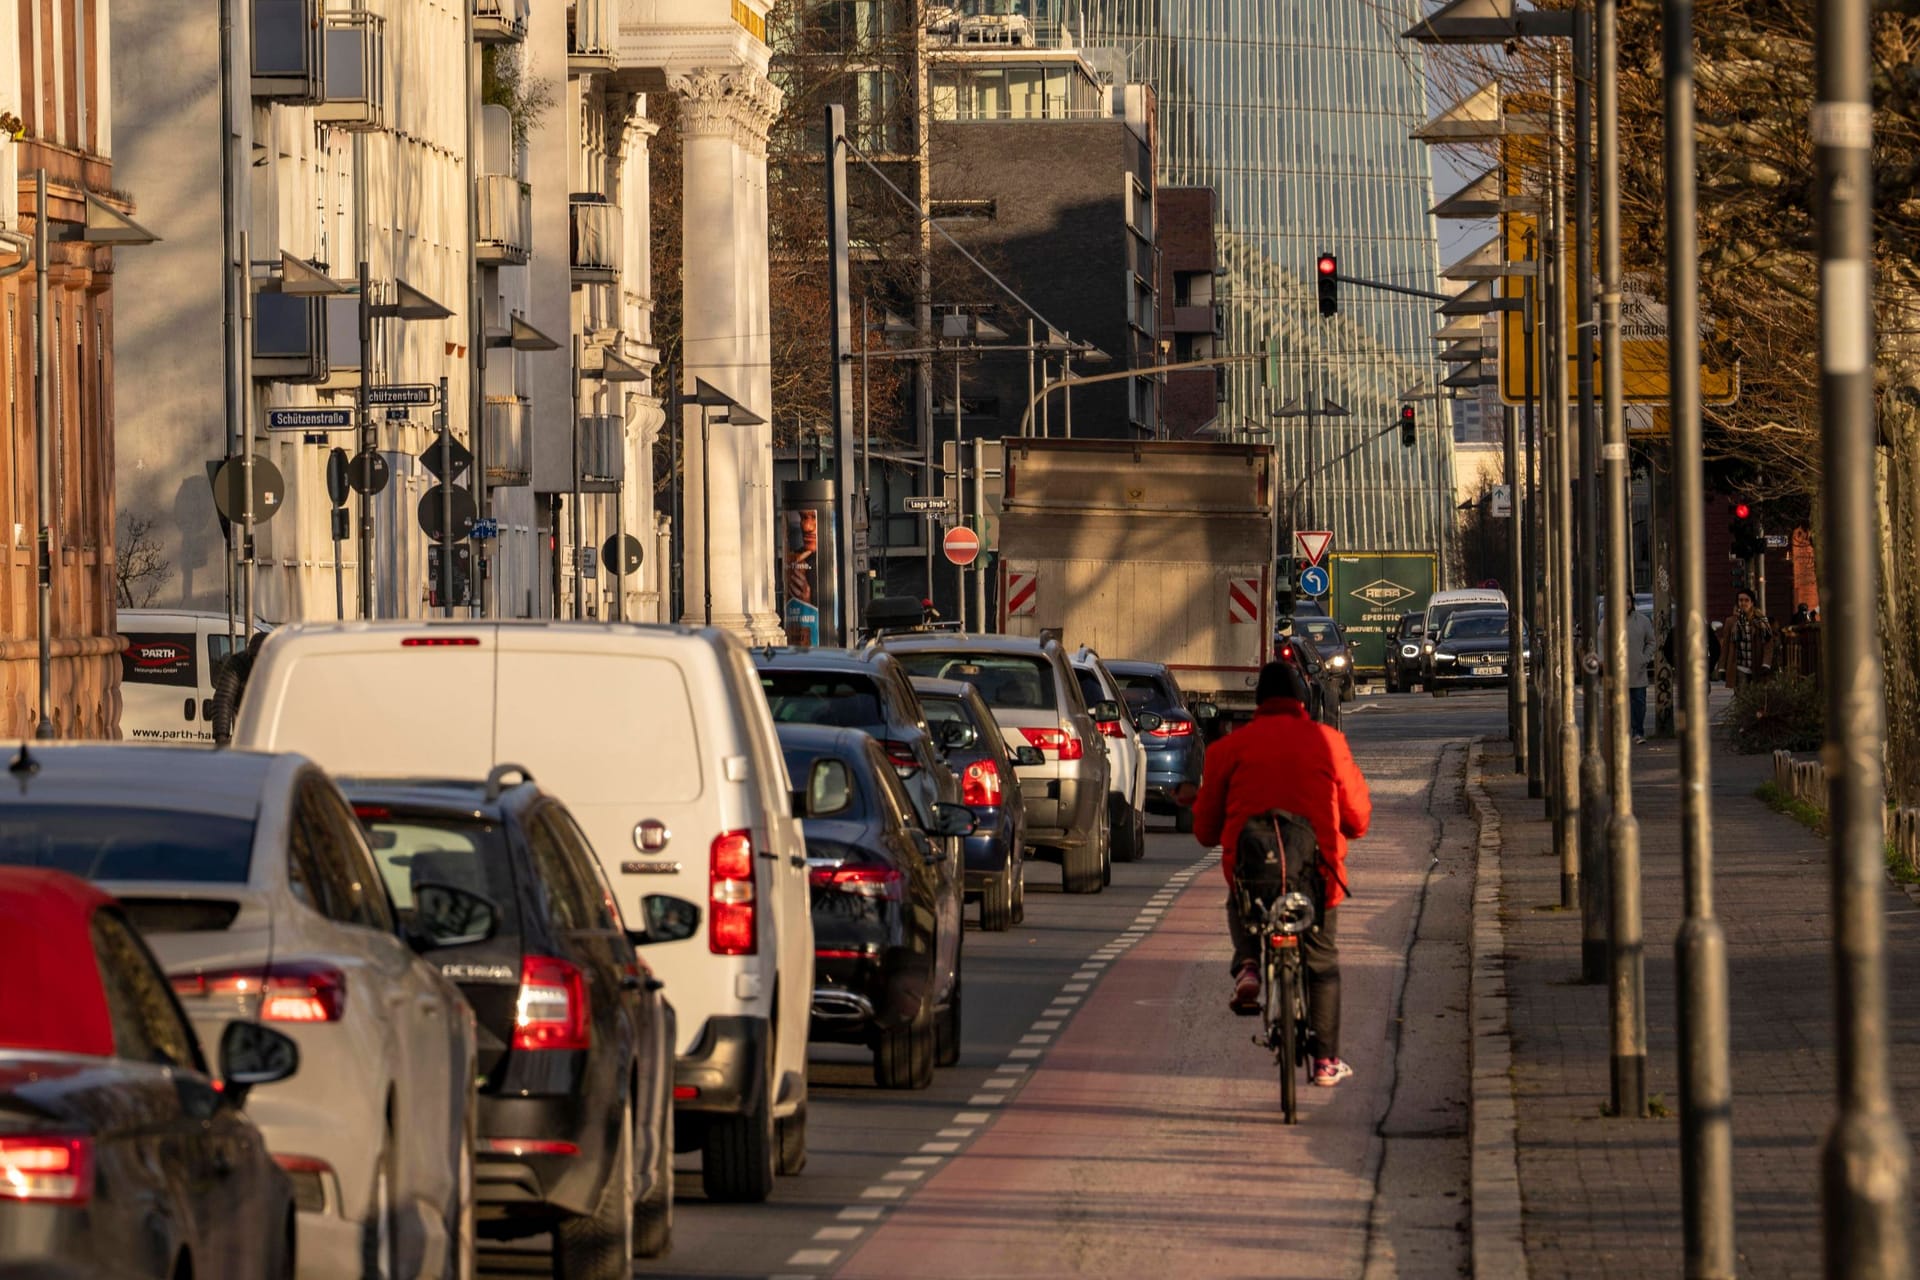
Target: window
806,697
569,906
430,849
344,884
1004,680
107,842
593,882
147,1026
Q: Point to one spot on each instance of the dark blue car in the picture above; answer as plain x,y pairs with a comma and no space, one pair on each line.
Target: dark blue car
989,785
1177,749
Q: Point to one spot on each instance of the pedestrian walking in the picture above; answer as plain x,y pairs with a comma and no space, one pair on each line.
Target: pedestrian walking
1746,642
1640,650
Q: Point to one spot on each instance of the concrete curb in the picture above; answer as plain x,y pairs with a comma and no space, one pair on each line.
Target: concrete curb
1496,1238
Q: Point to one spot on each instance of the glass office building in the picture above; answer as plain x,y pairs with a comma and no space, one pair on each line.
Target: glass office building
1297,113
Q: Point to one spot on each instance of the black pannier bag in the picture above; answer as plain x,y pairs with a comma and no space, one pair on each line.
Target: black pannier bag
1277,854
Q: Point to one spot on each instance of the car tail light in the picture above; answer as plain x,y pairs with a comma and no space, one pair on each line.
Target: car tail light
290,991
731,927
372,812
685,1092
46,1170
551,1011
1061,740
980,784
440,642
885,883
905,763
310,1177
1174,729
529,1146
1111,728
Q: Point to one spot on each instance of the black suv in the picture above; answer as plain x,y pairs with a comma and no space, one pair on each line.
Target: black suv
866,690
575,1039
1405,655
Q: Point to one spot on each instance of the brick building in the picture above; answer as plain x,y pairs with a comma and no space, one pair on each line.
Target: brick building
1190,318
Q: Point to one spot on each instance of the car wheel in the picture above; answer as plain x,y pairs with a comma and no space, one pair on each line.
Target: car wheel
1080,868
736,1160
946,1030
600,1245
996,901
1019,894
1137,836
1183,820
1106,854
1346,692
791,1134
903,1059
653,1216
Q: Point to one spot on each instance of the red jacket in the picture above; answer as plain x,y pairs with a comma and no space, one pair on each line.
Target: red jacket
1284,760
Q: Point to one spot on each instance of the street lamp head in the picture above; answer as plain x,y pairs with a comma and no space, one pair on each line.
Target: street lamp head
107,225
1090,354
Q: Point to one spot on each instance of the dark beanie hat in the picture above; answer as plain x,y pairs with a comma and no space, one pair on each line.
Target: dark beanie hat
1280,680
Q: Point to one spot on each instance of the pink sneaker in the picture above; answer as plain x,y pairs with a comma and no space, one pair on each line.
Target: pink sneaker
1246,992
1328,1072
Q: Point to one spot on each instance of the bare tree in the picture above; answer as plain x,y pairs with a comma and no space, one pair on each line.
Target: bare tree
140,568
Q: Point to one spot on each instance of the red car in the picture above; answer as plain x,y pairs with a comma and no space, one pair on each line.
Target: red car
120,1155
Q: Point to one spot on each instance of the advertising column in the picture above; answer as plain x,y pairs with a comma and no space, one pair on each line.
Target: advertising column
809,562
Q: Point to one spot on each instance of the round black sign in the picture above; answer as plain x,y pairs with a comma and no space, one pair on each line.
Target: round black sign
229,489
368,473
636,555
433,511
337,476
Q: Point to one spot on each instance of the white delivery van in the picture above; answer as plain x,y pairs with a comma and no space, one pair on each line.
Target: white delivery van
660,742
166,673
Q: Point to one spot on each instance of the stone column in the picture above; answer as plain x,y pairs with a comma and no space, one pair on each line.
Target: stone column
724,117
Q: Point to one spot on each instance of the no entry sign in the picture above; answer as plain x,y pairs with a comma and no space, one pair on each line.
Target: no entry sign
962,545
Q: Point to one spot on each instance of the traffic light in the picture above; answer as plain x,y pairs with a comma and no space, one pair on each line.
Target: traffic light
1329,285
1406,425
1749,539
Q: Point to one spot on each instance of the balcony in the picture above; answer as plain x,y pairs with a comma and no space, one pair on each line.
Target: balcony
603,454
595,240
591,29
288,56
354,73
503,235
499,21
1196,320
506,421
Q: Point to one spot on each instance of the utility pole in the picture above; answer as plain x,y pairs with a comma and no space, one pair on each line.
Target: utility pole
1866,1173
231,269
1566,750
369,440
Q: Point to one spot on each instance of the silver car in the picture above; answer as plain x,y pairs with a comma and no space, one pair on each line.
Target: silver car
1036,700
252,882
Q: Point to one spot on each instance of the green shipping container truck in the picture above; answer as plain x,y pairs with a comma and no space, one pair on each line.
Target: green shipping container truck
1368,592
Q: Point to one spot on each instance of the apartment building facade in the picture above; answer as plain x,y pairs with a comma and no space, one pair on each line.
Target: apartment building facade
57,113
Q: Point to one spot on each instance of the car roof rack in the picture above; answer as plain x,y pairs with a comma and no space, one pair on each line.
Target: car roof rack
497,779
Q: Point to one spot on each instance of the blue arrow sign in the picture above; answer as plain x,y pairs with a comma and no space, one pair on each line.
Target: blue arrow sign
1313,581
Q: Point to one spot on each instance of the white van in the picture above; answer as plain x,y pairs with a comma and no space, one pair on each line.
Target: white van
166,673
1442,604
659,741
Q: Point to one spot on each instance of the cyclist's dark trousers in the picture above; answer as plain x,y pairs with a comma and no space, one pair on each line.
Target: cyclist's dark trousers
1320,952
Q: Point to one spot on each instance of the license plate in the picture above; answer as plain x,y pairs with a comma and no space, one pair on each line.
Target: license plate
1489,671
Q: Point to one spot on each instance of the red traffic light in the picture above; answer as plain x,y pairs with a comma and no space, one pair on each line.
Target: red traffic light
1327,264
1406,413
1741,511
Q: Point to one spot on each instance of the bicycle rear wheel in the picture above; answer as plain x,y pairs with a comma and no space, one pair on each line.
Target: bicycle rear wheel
1281,980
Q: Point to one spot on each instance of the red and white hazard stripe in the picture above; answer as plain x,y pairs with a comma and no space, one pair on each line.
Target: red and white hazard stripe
1243,599
1023,595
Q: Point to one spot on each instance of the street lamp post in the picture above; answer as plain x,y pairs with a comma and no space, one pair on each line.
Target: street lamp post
1866,1161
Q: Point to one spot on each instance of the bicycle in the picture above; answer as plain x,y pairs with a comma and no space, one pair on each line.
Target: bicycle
1283,989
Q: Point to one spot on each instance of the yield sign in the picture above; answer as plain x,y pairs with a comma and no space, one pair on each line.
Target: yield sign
1313,543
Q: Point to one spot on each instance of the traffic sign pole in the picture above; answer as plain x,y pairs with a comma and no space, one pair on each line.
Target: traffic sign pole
446,504
368,443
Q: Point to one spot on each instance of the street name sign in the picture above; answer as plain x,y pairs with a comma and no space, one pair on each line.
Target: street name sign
309,419
404,393
928,505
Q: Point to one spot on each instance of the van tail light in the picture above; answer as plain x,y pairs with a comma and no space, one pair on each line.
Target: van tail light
551,1011
1174,729
883,883
1062,740
901,755
980,785
731,927
46,1170
440,642
289,991
1111,728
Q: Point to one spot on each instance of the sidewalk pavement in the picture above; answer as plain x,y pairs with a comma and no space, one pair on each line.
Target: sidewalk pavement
1601,1197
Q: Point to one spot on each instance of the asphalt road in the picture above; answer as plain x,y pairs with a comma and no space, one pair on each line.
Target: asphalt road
1106,1105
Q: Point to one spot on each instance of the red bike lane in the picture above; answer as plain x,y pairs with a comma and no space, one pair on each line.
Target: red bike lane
1148,1139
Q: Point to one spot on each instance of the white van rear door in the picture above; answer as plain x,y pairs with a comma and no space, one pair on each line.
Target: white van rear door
607,724
163,685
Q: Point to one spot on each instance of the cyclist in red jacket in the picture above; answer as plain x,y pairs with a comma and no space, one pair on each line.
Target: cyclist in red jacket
1284,759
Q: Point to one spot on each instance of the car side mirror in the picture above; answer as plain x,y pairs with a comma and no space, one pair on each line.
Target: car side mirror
1147,721
252,1054
955,736
829,789
668,919
1029,757
1106,709
445,915
1205,712
952,819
